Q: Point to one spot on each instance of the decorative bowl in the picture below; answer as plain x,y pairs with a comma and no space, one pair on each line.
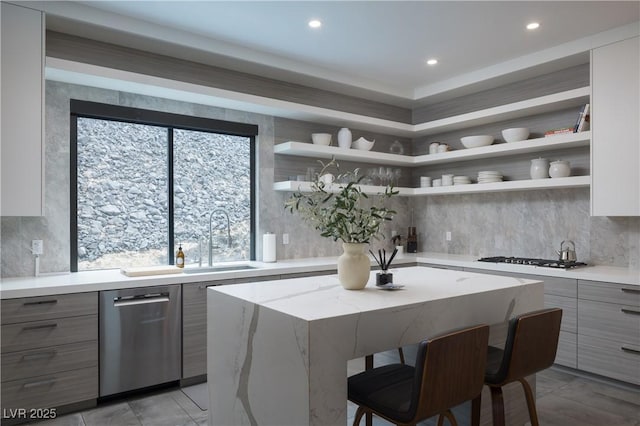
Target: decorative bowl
321,138
515,134
363,144
476,141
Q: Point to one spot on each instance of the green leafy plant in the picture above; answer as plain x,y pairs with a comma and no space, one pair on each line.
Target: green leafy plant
337,210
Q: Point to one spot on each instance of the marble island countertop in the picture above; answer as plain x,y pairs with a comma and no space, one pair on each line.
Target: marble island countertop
289,341
322,297
78,282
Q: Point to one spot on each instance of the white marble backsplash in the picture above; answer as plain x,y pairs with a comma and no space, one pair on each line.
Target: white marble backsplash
527,224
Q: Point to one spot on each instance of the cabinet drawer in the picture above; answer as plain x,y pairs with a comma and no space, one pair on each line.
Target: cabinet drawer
609,358
567,350
566,287
46,307
609,292
38,362
194,330
609,321
569,308
53,332
51,390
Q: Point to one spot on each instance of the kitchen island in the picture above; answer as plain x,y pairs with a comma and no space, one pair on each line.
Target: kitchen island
277,351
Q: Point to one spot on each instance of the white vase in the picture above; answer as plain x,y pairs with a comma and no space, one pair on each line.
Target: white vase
353,266
539,168
344,138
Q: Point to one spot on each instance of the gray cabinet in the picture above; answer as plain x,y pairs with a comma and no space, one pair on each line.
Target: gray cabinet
609,330
194,329
22,80
558,293
49,351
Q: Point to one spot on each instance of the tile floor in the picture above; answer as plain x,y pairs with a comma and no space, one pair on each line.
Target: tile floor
563,399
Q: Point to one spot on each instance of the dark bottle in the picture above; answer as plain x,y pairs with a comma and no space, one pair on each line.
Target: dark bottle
412,240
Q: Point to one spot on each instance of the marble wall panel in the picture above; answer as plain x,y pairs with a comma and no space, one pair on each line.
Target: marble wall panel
527,224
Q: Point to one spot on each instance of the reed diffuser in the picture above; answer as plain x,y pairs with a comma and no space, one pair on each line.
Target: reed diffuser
384,277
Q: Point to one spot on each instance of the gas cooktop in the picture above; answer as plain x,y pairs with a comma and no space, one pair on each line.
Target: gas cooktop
549,263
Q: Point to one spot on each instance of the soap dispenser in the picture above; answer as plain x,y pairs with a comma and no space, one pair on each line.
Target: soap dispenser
180,257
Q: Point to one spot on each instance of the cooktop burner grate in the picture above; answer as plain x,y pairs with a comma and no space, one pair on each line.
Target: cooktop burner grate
549,263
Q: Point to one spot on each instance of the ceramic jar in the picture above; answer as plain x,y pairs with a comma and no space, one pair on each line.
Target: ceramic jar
559,169
353,266
344,138
539,168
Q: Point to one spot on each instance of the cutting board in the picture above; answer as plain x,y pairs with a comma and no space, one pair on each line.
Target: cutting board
150,270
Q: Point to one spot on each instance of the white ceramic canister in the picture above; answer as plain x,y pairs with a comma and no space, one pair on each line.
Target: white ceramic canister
433,148
539,168
344,138
559,169
425,181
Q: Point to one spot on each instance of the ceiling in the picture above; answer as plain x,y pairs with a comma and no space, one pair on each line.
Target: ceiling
378,46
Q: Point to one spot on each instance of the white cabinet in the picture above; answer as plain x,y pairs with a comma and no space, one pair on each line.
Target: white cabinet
22,90
615,129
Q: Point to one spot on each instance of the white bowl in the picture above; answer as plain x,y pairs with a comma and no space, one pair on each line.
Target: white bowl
476,141
321,138
363,144
515,134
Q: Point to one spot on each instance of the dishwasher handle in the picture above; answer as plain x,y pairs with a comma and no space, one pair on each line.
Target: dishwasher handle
140,300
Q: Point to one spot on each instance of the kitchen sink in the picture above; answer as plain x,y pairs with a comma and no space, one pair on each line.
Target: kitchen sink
218,269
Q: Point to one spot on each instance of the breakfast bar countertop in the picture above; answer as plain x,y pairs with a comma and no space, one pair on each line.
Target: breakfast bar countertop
110,279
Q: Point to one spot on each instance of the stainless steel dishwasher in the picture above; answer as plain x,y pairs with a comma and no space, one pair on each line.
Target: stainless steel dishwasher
140,338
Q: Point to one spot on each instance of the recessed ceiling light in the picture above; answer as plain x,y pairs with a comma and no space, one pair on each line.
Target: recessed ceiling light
315,23
533,25
432,61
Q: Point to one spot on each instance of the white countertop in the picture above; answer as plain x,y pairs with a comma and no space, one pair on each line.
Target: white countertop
610,274
111,279
322,297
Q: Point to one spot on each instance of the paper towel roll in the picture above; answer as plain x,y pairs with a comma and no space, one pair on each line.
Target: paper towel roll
269,247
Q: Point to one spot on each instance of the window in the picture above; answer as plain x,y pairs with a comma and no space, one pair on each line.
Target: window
144,182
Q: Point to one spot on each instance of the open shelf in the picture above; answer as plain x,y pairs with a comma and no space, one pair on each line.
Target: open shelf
561,141
291,186
517,185
542,104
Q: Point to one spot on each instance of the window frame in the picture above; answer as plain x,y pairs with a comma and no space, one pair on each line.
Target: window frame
170,121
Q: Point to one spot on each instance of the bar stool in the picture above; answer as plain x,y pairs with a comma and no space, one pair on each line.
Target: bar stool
531,345
449,371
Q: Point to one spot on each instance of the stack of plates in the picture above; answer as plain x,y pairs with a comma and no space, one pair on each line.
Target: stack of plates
489,177
461,180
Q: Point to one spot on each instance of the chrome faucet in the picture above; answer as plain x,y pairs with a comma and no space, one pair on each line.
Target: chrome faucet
224,212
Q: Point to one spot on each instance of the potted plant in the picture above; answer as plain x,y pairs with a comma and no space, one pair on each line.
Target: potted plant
338,211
